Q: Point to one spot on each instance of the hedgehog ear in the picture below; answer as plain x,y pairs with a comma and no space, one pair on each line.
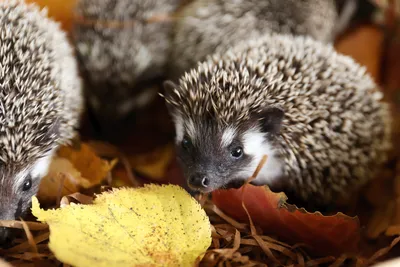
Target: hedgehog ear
271,120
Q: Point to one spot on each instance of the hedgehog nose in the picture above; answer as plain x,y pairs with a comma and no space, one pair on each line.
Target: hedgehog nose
199,181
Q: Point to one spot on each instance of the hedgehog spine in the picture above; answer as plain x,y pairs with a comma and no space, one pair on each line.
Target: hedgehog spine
40,101
318,111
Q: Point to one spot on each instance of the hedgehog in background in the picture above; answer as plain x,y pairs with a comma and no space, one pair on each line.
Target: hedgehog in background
208,26
315,113
40,102
121,51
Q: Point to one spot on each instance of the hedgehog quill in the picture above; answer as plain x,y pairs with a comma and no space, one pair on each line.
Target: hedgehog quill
121,52
316,114
208,26
40,102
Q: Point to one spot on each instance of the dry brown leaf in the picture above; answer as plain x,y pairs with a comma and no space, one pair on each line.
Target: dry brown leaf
80,198
397,180
330,235
87,162
26,245
154,164
29,236
383,251
393,230
70,170
380,220
396,215
34,226
379,192
367,55
62,175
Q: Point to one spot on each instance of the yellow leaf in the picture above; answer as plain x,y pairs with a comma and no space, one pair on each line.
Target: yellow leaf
149,226
93,168
153,164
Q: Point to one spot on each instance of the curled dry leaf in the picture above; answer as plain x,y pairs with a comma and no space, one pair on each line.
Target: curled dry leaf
71,170
148,226
324,235
62,175
87,162
78,197
154,164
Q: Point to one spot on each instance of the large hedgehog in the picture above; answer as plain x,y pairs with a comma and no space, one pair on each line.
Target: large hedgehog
208,26
315,113
122,46
40,101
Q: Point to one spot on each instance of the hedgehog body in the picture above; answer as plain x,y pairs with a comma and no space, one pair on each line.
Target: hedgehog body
122,45
315,113
40,100
208,26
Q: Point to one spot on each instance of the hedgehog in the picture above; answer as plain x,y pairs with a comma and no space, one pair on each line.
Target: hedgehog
122,46
40,102
208,26
316,114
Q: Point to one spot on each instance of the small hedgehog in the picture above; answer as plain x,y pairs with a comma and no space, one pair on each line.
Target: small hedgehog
315,113
208,26
40,101
122,45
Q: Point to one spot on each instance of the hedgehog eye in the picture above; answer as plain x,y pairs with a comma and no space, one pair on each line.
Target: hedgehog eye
186,143
27,184
237,152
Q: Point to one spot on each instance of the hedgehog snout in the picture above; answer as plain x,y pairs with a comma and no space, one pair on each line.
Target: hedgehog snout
199,181
6,213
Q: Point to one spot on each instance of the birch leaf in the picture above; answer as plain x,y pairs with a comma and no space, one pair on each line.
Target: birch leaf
149,226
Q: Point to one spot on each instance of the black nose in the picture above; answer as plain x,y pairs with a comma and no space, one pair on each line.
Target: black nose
199,180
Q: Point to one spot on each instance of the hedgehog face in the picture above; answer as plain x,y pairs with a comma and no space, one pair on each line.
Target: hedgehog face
214,156
209,157
17,188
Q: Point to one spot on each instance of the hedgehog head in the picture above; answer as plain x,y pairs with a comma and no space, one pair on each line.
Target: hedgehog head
120,48
316,114
223,128
30,104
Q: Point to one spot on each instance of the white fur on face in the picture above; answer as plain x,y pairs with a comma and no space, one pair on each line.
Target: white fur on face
190,130
41,167
257,146
182,127
227,137
179,130
37,171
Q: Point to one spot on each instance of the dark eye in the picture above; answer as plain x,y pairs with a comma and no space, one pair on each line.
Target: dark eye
186,142
27,184
237,152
